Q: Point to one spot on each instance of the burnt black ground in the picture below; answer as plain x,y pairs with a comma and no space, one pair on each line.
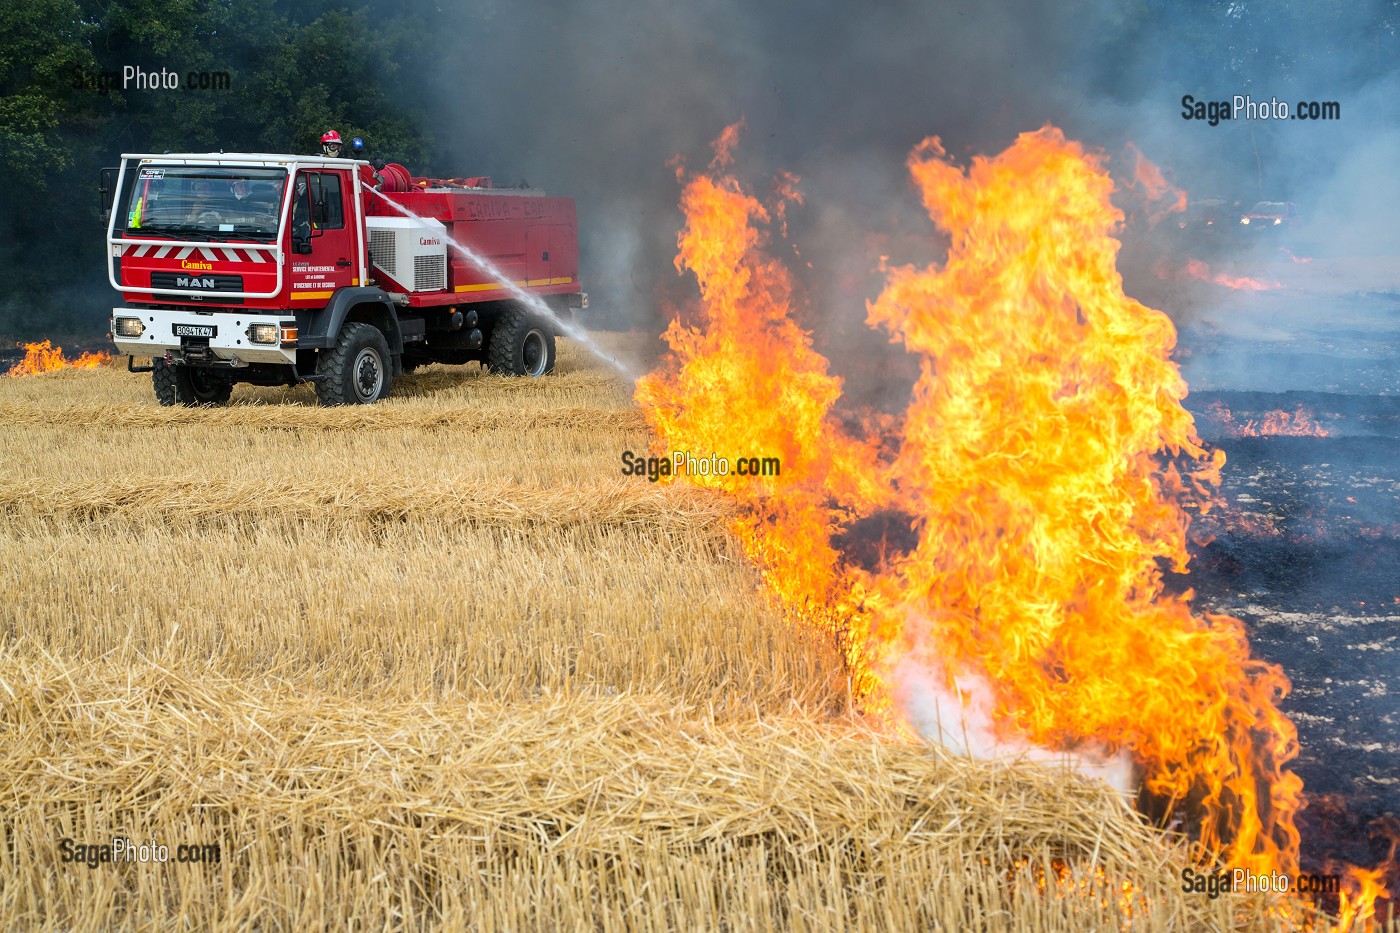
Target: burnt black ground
1307,553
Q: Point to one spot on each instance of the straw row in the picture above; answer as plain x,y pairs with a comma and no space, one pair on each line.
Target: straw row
608,504
303,419
416,608
621,813
477,459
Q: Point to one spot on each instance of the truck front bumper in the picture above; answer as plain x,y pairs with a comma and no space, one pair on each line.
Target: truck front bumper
210,338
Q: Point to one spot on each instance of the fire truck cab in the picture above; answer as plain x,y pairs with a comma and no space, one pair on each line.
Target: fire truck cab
275,269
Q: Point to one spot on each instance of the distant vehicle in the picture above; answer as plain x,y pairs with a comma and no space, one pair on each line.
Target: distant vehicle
1207,214
1269,215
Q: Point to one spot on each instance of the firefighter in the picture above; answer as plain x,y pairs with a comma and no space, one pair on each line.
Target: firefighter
257,198
330,144
202,204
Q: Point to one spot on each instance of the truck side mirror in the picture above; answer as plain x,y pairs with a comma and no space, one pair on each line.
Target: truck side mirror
107,190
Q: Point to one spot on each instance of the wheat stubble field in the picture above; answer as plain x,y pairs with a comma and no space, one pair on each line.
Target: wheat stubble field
435,662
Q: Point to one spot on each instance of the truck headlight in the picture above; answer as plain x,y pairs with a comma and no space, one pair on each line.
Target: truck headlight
262,333
129,327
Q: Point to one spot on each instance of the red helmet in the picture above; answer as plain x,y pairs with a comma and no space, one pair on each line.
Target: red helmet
330,136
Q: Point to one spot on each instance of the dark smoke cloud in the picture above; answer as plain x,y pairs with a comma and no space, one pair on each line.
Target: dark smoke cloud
592,100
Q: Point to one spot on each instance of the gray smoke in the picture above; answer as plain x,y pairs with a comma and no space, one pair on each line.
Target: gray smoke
593,99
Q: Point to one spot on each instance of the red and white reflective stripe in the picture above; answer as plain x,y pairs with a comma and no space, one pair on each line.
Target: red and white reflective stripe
210,253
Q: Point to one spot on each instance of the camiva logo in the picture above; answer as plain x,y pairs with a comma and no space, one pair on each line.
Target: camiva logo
684,463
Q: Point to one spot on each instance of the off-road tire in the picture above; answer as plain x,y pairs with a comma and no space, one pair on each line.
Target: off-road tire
188,385
522,344
358,371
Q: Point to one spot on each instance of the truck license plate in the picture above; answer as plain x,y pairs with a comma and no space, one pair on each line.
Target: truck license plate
195,330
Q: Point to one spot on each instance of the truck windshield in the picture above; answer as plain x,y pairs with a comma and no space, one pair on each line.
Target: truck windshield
206,202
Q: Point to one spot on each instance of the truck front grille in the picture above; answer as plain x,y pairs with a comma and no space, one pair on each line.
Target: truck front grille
200,286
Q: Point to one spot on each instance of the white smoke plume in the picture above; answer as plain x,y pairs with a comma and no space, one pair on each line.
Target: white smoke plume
962,721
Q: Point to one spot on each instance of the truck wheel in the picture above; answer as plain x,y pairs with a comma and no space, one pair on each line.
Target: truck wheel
357,371
188,385
522,344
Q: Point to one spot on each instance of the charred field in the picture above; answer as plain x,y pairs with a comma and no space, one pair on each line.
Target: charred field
1306,549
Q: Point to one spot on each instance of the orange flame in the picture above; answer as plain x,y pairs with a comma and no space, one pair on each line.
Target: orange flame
724,146
1155,187
1362,887
43,357
786,191
1043,474
1034,456
1199,270
1299,423
748,383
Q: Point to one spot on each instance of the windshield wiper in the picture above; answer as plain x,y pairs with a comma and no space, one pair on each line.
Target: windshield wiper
185,231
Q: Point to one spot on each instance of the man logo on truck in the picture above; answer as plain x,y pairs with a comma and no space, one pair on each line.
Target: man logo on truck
190,282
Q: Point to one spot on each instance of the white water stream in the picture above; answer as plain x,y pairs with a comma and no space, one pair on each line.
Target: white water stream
532,301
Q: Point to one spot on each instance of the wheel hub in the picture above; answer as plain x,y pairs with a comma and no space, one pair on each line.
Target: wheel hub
368,375
533,353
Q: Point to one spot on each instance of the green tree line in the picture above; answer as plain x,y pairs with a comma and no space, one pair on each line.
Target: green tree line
293,70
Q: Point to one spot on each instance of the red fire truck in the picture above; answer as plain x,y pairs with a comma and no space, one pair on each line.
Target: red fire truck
279,269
